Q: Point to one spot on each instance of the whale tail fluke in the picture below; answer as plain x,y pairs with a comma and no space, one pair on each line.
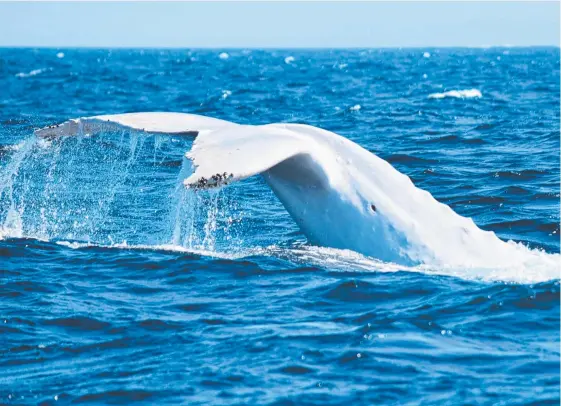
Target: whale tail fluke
223,152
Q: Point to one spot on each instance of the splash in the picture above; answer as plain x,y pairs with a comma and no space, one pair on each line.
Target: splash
107,190
12,225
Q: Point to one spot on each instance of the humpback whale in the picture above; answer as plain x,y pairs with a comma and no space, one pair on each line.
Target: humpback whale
339,194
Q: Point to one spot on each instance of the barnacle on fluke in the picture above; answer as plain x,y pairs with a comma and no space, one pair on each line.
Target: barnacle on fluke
220,179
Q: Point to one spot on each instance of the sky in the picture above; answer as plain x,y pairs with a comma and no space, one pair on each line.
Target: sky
278,24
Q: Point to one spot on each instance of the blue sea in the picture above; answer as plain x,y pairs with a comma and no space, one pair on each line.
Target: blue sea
118,285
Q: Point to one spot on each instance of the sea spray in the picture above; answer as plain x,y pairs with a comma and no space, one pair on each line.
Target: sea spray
118,186
10,218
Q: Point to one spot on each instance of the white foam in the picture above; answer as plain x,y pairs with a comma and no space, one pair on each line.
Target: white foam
288,60
459,94
159,247
356,107
226,94
16,147
60,55
31,73
74,245
535,265
426,55
224,56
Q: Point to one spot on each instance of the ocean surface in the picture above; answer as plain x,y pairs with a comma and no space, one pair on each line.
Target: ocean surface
117,285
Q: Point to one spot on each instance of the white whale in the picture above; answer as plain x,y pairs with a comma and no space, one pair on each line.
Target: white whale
339,194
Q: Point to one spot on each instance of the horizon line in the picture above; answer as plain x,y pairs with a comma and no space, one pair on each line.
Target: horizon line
219,48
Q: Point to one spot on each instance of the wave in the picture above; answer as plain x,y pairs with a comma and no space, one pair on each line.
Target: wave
458,94
526,174
453,139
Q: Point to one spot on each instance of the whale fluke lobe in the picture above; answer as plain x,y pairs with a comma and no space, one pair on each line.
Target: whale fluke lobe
244,151
339,194
152,123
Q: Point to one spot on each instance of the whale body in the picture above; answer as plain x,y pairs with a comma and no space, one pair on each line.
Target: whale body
340,194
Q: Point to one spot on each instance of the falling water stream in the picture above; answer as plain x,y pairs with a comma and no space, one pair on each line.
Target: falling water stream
120,188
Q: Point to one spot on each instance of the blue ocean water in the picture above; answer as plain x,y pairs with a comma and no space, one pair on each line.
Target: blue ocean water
119,286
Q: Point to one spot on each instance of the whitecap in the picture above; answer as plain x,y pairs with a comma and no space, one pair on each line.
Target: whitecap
60,55
459,94
226,93
356,107
288,60
28,74
224,56
74,244
426,55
